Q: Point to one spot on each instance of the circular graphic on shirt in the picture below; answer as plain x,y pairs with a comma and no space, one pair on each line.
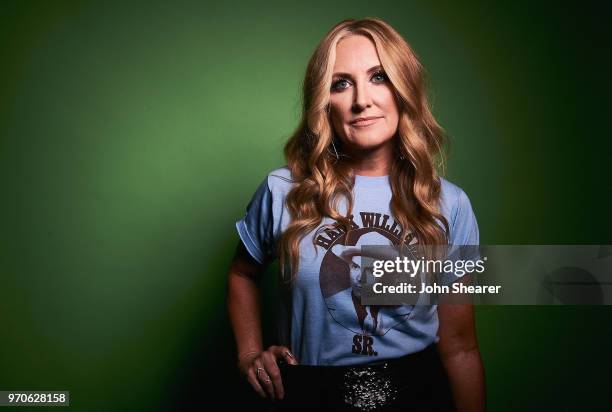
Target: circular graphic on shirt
340,281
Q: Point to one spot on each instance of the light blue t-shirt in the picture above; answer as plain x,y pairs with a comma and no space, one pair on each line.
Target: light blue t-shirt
322,321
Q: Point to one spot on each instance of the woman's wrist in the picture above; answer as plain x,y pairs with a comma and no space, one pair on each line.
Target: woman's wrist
247,355
243,355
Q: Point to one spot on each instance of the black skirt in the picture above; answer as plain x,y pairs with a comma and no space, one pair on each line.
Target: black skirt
415,382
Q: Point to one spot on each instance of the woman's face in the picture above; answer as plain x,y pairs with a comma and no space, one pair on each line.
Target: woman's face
361,89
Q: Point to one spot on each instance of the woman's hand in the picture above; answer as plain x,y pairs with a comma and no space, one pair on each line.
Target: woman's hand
262,372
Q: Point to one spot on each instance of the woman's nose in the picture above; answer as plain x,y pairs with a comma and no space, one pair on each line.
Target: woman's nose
361,98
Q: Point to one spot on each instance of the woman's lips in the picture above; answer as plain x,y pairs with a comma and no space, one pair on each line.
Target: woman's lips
366,122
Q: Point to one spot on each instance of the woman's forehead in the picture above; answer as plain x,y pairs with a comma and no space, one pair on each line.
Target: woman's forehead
355,53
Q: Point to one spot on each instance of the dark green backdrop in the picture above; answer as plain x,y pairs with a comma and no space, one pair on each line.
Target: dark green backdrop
133,136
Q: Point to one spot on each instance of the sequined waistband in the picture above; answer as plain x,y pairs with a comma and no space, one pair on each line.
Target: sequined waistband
372,385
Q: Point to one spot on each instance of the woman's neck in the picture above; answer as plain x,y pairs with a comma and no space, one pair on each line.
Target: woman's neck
371,162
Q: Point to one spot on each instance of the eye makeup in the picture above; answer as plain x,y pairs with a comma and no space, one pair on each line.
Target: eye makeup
380,74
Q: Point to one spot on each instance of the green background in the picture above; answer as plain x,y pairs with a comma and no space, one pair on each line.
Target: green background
132,136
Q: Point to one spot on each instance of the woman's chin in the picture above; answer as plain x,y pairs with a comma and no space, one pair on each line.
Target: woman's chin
368,142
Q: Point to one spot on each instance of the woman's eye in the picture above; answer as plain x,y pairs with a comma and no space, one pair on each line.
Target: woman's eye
355,266
380,77
340,84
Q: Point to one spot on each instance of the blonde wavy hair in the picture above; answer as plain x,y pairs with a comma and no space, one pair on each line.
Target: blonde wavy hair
322,178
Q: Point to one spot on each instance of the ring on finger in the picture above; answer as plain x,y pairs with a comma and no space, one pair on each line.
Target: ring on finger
257,373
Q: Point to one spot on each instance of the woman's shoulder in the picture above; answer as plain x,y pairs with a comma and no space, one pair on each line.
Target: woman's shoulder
449,190
452,199
283,173
280,179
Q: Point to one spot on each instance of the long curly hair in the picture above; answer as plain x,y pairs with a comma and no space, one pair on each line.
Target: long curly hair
321,178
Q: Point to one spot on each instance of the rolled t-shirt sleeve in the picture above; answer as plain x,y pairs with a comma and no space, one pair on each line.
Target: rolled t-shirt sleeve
255,228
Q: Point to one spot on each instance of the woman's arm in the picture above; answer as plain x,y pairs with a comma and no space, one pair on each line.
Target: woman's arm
258,365
243,303
460,355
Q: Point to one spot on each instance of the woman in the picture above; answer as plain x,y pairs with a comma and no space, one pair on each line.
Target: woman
361,163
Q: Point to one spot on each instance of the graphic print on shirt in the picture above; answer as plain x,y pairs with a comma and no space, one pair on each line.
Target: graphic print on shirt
340,275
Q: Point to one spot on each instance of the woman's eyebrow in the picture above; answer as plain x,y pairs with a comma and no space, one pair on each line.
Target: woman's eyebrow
370,70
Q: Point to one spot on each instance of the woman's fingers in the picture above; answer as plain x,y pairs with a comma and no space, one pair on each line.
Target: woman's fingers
263,376
269,361
284,353
254,381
